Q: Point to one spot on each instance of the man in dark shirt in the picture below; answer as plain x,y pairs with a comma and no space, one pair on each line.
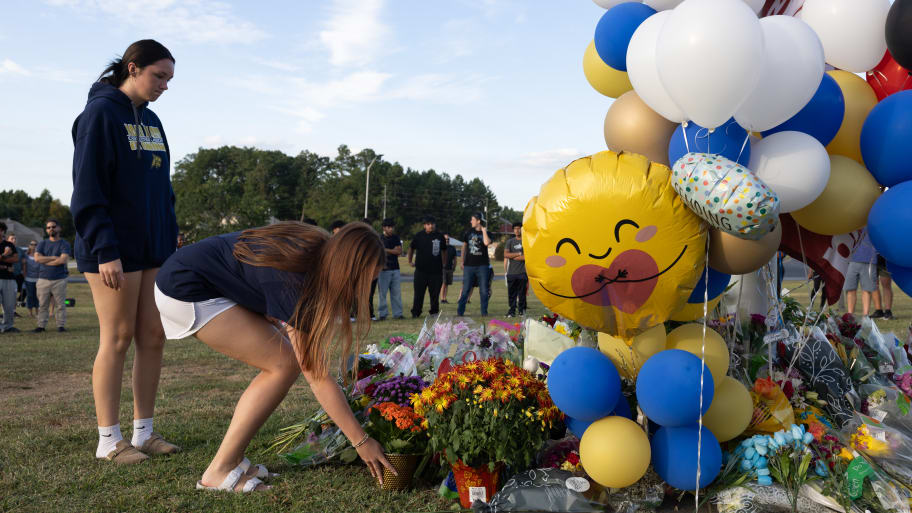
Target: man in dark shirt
8,256
475,264
53,254
517,281
448,267
390,279
431,257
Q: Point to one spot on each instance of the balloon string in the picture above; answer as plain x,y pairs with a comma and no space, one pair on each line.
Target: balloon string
702,371
743,145
684,130
807,337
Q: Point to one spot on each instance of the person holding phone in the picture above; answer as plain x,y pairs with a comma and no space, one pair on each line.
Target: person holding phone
475,263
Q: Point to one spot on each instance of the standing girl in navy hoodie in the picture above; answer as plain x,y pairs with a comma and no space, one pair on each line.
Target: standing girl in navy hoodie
123,208
276,298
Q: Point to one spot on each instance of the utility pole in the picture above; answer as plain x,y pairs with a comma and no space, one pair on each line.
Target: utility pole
367,183
384,201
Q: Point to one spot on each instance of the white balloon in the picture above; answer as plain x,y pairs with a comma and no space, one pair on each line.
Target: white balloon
643,72
608,4
852,31
708,55
791,71
794,164
662,5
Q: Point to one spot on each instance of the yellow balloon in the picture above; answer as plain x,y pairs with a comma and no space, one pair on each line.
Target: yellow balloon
859,100
689,337
693,311
628,358
602,77
844,204
615,452
611,245
731,410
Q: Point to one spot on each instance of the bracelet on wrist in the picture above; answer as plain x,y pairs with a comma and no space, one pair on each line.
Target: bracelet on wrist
362,442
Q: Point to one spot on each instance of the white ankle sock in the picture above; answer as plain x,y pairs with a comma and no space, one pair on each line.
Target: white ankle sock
107,440
142,430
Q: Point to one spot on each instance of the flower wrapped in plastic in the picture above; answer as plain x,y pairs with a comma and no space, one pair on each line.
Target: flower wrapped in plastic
889,405
440,339
889,447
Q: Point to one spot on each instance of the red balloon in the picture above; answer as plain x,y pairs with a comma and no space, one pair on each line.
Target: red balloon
889,77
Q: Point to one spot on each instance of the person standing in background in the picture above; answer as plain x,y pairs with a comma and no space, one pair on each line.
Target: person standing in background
449,266
17,269
52,255
883,296
475,263
517,281
8,256
429,261
862,271
31,279
123,209
390,278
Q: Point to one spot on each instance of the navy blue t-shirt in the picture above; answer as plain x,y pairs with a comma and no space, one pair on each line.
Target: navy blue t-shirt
54,249
208,269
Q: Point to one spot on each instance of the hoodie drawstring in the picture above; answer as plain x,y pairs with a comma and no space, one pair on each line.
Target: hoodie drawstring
138,132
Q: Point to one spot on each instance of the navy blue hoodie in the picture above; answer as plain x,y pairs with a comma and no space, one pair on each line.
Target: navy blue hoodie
122,204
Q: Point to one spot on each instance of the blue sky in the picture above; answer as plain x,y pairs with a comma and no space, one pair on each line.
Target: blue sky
482,88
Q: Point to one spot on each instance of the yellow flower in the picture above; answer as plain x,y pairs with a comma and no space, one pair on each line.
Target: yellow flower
479,389
495,412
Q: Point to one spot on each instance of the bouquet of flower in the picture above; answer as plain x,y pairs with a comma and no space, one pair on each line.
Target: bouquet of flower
889,447
487,411
563,454
397,390
397,428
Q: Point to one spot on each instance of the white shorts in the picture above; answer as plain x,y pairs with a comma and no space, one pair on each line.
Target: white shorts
182,319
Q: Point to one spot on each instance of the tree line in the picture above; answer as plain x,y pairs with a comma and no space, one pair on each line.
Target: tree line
230,188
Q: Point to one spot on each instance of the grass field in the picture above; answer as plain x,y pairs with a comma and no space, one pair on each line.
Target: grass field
48,433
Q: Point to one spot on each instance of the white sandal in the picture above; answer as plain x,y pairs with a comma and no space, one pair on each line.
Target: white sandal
262,471
231,480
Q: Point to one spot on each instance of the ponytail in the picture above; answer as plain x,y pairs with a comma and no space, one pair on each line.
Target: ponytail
142,53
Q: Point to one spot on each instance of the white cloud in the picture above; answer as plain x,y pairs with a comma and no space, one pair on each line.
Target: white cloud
194,21
354,34
7,66
552,159
440,88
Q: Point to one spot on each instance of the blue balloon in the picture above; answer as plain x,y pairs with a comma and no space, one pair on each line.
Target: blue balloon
726,140
614,30
577,427
890,224
623,408
674,456
886,140
668,388
902,277
717,283
584,383
821,117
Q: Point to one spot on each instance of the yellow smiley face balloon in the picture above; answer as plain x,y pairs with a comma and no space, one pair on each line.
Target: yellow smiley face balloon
610,244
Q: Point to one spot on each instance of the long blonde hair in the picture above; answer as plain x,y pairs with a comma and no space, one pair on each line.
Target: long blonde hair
339,270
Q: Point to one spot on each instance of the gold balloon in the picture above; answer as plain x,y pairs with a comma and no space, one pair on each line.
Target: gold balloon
733,255
632,126
602,77
615,452
689,337
628,358
859,100
844,204
731,409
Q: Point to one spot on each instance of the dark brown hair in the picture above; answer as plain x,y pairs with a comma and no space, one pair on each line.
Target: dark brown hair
339,271
142,53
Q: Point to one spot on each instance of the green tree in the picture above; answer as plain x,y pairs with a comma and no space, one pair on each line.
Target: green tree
33,212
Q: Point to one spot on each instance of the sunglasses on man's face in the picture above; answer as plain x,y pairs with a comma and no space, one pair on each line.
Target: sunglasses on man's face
51,227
